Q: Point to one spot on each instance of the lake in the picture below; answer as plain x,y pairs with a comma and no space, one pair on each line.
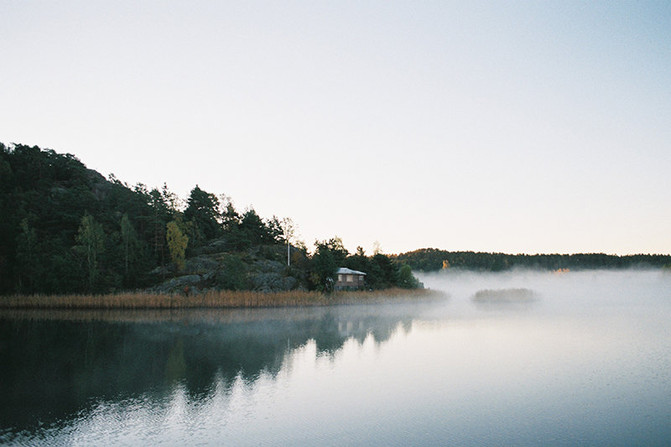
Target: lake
587,361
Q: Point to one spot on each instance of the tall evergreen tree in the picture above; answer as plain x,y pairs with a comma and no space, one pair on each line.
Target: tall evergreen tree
129,243
91,243
27,258
202,213
323,268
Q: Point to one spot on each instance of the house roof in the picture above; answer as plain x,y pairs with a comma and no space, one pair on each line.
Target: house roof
346,271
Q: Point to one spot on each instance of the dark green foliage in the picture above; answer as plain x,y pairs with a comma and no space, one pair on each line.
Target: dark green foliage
27,252
337,249
90,245
163,209
46,247
130,247
66,229
253,231
323,267
246,231
406,280
49,192
275,231
358,261
328,257
431,259
233,273
382,272
385,272
202,213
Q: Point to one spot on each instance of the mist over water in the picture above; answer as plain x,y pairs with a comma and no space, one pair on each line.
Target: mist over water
568,293
586,362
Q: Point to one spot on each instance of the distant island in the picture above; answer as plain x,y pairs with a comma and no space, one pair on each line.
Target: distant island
66,229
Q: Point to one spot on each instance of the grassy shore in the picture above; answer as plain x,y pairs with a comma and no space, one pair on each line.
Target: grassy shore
215,299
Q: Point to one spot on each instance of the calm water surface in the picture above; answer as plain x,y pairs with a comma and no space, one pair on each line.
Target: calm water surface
587,363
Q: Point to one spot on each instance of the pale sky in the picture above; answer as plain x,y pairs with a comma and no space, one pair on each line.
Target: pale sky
506,126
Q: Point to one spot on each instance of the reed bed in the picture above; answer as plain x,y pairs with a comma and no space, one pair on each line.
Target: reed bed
504,296
220,299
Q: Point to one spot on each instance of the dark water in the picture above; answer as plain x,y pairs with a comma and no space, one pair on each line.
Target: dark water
587,363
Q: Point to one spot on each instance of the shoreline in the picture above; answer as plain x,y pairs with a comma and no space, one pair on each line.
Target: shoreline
224,299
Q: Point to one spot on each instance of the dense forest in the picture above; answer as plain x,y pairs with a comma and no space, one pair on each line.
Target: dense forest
432,259
68,229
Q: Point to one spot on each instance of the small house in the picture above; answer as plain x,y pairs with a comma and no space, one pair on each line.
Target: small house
348,279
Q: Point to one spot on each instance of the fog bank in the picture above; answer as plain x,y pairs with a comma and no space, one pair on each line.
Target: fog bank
565,291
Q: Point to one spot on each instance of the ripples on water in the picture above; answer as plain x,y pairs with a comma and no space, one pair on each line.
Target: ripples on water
586,362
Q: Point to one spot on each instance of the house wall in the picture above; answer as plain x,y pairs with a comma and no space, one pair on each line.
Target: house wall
345,281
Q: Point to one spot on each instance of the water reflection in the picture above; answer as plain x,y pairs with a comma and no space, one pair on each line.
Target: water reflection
588,363
57,366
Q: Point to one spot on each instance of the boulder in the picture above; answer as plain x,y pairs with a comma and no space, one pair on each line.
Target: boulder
179,284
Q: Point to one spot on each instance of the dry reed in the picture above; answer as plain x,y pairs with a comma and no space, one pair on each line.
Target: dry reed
212,299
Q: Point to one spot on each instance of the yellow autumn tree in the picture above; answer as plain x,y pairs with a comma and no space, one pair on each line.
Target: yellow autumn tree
177,242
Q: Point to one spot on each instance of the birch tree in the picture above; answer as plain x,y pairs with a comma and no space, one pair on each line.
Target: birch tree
177,242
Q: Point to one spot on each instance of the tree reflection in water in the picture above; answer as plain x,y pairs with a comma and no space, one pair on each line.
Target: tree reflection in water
55,366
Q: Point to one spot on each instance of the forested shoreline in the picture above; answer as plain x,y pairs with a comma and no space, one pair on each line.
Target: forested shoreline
433,259
67,229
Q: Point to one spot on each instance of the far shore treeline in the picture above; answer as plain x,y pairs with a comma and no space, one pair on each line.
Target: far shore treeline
66,229
431,259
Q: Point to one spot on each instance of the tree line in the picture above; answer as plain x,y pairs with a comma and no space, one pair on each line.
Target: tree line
432,259
68,229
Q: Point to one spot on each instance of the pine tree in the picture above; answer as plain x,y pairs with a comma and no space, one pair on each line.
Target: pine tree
91,243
